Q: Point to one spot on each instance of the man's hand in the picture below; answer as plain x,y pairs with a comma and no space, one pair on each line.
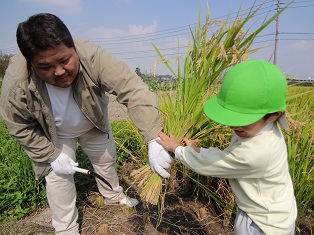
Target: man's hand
159,158
63,165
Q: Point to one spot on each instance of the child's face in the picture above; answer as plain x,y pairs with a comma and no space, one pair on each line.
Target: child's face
255,128
250,130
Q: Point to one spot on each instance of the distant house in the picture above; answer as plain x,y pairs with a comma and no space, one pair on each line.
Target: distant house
301,82
166,78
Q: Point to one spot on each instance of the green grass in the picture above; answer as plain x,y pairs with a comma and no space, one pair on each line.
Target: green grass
300,143
20,192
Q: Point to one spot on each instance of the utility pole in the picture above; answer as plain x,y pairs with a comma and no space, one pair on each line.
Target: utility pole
277,33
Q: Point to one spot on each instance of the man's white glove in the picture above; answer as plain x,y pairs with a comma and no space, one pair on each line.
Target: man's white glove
63,165
159,158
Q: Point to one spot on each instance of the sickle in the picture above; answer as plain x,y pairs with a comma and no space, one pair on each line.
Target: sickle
88,172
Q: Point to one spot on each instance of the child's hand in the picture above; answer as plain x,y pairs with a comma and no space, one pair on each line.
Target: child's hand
169,142
189,142
192,143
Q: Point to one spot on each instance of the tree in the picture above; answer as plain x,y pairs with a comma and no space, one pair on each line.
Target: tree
4,62
138,72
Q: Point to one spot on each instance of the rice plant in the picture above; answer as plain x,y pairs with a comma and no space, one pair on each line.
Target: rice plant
300,143
208,58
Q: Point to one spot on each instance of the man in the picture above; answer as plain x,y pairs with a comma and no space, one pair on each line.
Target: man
54,96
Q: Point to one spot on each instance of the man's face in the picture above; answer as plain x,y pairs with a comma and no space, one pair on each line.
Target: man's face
57,66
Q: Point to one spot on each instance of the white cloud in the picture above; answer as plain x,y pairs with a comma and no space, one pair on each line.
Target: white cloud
63,5
137,39
122,1
140,29
105,33
111,33
298,56
302,45
117,40
132,46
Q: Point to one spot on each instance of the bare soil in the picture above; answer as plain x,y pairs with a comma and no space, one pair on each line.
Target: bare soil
182,215
117,111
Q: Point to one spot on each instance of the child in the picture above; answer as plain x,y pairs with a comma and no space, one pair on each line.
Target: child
251,101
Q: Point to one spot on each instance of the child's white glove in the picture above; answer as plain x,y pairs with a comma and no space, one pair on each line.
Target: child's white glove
159,158
63,165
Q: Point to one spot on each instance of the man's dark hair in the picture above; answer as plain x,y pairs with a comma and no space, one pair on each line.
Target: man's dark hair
40,32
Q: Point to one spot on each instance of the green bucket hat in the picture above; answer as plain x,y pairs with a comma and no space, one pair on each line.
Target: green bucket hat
249,91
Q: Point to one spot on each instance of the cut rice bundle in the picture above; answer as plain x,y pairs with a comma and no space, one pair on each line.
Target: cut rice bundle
149,183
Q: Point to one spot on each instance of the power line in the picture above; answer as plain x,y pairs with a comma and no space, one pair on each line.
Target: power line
175,54
170,31
185,47
175,33
185,28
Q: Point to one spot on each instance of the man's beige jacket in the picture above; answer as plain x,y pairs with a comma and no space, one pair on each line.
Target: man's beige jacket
26,109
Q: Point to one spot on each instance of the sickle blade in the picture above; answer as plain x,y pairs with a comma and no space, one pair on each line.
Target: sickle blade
101,178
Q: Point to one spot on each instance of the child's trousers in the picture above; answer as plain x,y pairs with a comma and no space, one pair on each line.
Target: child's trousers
243,225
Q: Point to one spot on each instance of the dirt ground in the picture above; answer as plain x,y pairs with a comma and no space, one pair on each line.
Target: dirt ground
181,215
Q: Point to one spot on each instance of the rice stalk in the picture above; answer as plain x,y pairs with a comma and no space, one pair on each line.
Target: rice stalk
300,142
150,184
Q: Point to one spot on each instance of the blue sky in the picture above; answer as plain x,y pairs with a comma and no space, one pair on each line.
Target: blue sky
128,28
